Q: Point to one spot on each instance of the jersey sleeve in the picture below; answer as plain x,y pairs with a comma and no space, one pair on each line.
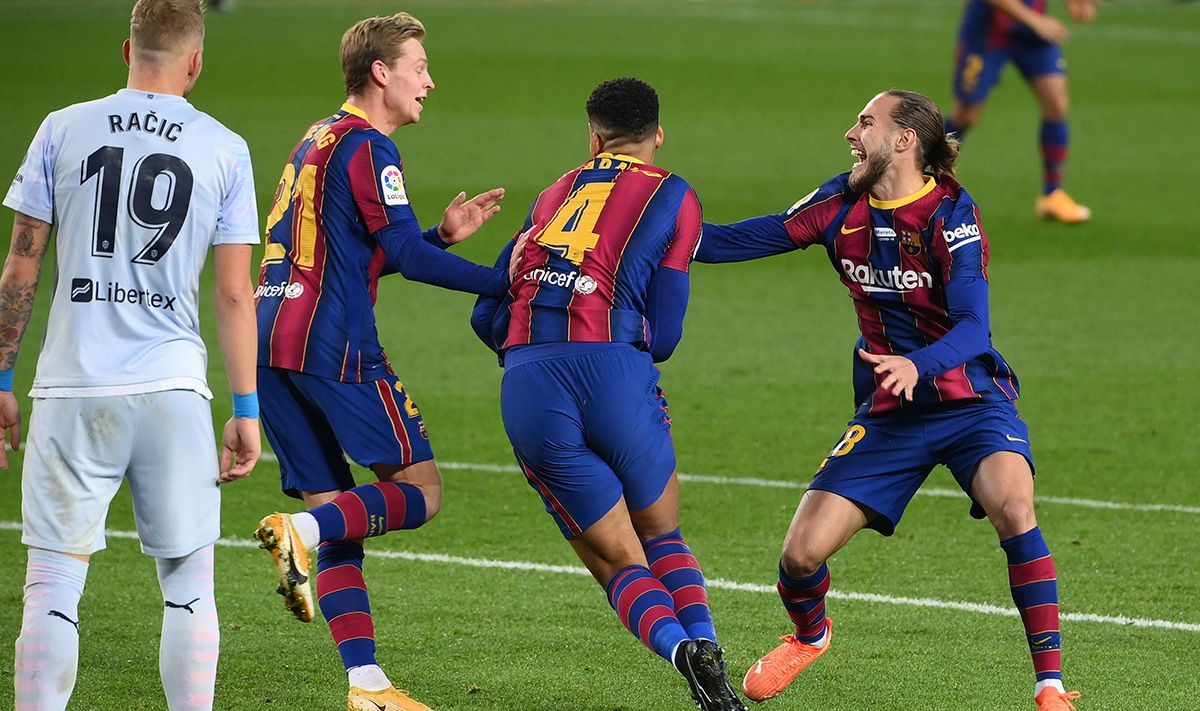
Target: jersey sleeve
376,179
32,190
799,226
689,226
237,216
960,249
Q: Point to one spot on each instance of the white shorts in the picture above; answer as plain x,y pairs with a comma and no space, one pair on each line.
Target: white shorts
79,451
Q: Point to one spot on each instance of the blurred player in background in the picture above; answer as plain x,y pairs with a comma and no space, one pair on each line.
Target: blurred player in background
140,185
341,220
928,385
994,32
598,298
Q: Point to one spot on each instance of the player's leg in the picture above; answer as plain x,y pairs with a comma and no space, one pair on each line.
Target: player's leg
1044,69
70,476
867,480
177,507
191,635
991,459
977,70
673,563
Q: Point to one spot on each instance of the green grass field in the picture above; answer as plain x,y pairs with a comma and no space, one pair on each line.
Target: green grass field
1098,320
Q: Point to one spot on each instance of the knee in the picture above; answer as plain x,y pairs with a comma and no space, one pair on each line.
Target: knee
1055,106
800,561
1013,517
433,500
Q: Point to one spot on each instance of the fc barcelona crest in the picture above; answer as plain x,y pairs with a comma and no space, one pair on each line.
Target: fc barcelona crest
911,242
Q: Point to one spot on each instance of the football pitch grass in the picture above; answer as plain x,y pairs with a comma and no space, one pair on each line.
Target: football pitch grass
486,607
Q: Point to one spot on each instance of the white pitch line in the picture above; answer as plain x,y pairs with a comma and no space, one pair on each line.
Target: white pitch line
786,484
717,583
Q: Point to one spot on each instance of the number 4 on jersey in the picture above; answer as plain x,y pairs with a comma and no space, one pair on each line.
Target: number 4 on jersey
571,234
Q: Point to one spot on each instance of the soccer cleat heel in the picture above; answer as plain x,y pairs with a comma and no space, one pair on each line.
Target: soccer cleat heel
277,536
702,664
1052,699
390,699
771,675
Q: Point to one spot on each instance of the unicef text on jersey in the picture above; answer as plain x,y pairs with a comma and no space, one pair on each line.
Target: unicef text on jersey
84,291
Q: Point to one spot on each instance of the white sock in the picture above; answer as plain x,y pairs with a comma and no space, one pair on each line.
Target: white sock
1056,683
368,677
191,637
823,641
47,657
307,528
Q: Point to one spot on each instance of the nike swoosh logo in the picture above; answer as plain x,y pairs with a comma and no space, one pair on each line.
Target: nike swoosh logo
1015,439
1043,641
850,232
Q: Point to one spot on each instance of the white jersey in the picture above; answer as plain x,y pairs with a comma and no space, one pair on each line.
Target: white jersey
139,186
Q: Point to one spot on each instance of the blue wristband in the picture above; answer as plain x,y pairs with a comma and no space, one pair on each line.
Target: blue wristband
6,380
245,405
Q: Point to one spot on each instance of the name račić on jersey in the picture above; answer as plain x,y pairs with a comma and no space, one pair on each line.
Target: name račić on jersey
148,122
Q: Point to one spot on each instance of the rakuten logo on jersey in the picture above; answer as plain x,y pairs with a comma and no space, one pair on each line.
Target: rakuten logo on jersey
963,234
288,290
892,281
582,283
86,291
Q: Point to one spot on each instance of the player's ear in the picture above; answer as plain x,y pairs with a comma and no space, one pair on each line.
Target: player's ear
658,138
379,72
195,64
905,140
125,48
595,143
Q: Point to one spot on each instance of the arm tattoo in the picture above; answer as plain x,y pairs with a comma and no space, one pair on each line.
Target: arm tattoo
17,290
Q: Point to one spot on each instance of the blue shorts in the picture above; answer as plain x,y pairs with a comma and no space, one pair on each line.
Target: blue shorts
311,420
978,66
589,425
880,462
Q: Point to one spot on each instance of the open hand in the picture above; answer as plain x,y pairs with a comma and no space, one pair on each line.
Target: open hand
463,217
901,373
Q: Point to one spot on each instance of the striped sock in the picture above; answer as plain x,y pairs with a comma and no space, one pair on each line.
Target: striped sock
646,609
1054,140
370,510
1034,584
677,569
804,600
342,596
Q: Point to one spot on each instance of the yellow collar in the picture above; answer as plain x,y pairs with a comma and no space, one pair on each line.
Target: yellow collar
352,109
930,184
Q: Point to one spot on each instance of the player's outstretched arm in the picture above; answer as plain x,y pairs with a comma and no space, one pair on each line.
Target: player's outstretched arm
1045,26
464,217
237,331
1082,10
18,289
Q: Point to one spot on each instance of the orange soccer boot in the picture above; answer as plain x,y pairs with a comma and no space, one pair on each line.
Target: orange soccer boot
772,674
390,699
1052,699
1060,206
277,535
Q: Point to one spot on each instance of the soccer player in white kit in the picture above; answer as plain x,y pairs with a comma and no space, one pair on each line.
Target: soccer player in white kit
139,184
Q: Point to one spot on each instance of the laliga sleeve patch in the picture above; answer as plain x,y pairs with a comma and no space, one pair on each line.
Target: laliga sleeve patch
800,203
391,181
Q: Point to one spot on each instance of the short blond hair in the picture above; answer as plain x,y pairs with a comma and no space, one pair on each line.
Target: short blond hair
375,38
165,26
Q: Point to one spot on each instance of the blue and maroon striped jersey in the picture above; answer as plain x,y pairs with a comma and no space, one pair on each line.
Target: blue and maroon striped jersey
916,269
342,185
982,21
597,236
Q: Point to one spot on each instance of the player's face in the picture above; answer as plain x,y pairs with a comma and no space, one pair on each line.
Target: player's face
871,143
408,83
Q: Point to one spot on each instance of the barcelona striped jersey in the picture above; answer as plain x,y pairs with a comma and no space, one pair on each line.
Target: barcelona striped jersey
595,239
916,269
342,185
